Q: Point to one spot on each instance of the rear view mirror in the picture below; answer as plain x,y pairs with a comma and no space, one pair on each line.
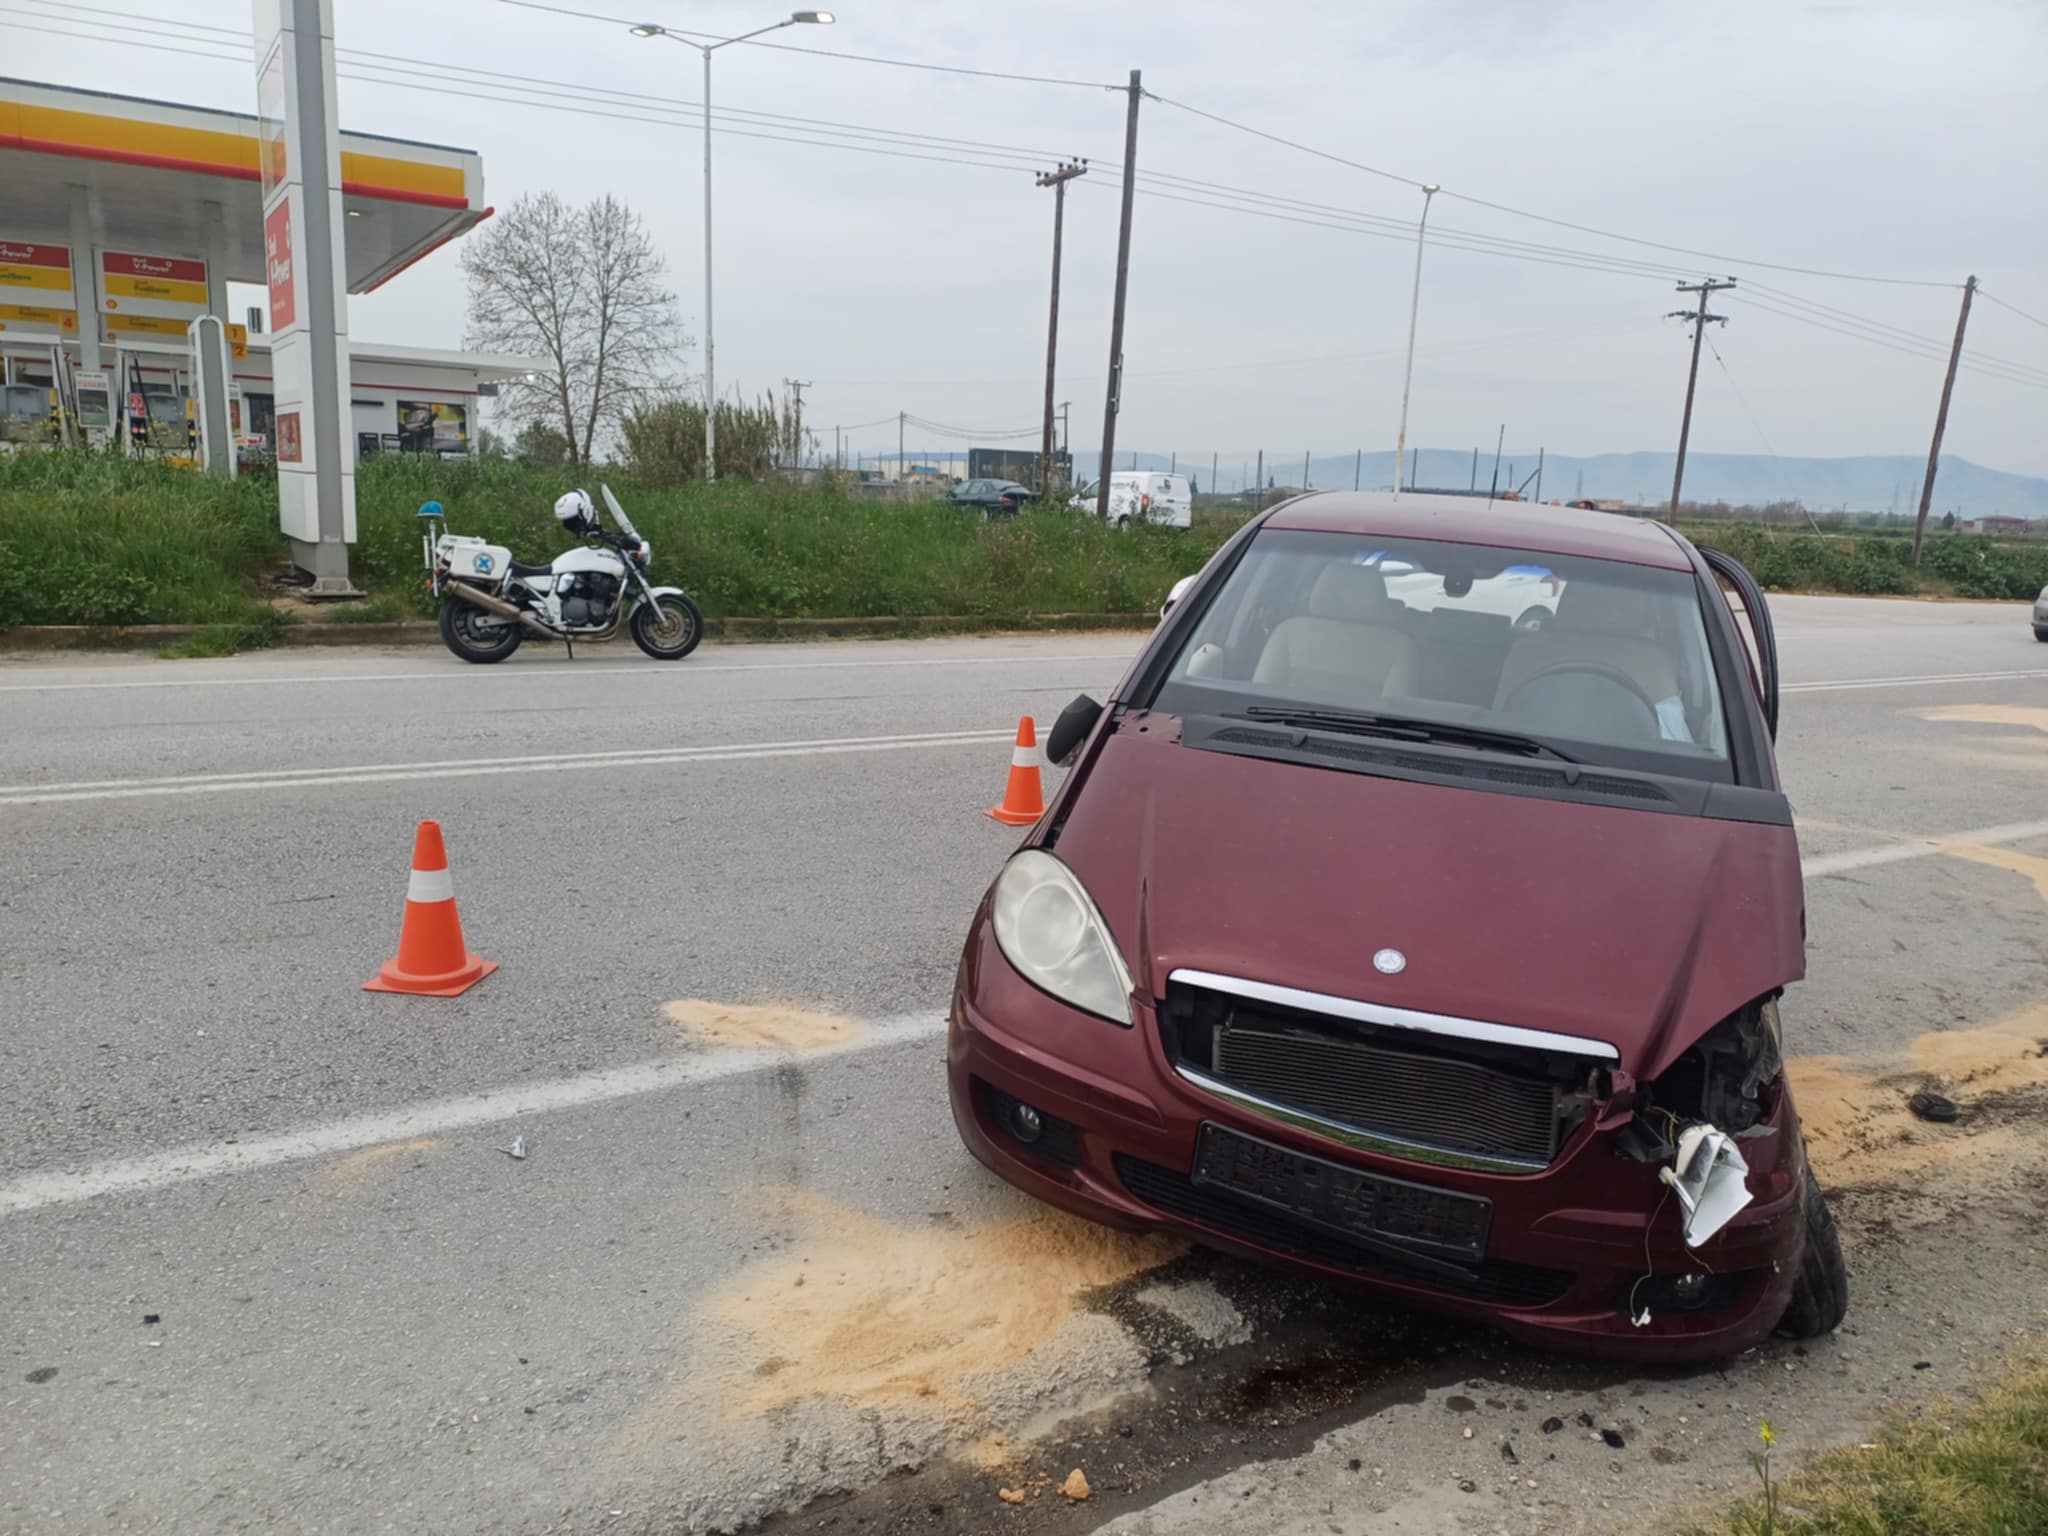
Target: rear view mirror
1174,594
1071,729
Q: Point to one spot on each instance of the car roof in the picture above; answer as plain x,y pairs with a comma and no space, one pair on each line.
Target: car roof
1522,525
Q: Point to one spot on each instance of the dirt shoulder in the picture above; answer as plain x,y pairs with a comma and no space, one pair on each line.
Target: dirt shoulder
1334,1417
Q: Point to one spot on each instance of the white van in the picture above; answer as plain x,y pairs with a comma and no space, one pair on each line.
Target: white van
1145,496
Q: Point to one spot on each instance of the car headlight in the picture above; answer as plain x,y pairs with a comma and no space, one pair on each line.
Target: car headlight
1052,934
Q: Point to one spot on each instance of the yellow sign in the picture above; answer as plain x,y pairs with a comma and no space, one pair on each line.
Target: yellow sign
144,325
44,268
238,341
157,289
29,314
164,287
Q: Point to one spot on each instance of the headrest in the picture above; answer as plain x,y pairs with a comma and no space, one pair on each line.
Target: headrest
1592,606
1352,593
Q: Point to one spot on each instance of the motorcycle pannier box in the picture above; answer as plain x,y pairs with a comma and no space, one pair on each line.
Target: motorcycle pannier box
473,559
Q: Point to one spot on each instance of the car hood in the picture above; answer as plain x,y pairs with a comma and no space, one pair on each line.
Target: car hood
1638,928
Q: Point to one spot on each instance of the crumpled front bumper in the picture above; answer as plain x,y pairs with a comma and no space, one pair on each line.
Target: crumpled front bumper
1566,1246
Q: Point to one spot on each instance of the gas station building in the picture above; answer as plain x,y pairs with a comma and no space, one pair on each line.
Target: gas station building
122,220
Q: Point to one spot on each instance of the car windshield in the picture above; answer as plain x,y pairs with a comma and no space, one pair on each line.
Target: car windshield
1597,660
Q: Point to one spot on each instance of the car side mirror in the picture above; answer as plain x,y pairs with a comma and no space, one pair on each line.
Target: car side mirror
1174,594
1071,729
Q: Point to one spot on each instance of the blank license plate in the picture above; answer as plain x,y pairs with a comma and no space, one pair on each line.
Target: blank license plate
1339,1199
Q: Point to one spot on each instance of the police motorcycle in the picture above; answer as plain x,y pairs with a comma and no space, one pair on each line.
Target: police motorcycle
490,602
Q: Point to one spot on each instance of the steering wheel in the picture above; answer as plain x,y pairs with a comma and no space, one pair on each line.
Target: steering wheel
1598,669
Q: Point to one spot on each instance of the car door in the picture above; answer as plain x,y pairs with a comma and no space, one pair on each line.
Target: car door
1744,599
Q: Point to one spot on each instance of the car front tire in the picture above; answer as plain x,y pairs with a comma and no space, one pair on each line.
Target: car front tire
1821,1298
2041,634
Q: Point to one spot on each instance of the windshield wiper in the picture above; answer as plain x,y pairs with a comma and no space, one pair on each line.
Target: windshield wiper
1407,728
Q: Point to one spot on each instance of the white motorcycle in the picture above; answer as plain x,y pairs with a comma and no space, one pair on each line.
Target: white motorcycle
489,601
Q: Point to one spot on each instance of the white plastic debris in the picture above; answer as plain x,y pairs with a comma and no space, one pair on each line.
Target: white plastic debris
517,1149
1711,1180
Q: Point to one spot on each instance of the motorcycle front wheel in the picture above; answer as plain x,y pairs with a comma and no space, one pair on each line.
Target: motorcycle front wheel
475,635
668,628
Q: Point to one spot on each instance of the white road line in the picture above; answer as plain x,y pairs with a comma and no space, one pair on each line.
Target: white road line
485,767
467,675
1920,848
435,1117
1848,684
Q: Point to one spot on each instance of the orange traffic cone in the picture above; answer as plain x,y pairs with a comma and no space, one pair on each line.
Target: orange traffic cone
431,960
1024,801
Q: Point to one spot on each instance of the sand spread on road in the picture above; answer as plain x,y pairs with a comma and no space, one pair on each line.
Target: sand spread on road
775,1026
875,1313
352,1169
1855,1112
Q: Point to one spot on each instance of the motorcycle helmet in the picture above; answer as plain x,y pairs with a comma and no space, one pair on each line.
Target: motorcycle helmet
576,514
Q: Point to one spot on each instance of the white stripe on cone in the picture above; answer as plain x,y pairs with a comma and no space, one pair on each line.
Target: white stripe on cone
1025,757
430,885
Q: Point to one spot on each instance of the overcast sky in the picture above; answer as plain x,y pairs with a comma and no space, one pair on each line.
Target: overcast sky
1902,140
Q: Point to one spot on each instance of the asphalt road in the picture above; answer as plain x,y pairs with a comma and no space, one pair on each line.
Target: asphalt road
369,1318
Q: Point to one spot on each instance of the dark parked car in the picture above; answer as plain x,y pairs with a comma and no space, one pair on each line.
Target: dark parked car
1416,949
992,498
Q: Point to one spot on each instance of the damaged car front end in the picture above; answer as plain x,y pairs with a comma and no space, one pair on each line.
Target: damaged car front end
1349,961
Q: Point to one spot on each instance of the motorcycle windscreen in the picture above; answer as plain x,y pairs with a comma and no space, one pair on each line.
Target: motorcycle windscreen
619,513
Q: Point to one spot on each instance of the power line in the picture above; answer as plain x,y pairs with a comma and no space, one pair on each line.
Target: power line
1994,298
825,53
1523,213
993,154
1981,367
1307,149
1740,399
872,141
1885,326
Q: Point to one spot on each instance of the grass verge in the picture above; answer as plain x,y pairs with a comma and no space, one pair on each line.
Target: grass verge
1950,1470
101,540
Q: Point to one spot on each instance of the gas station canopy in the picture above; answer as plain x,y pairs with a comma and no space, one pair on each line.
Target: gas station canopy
150,167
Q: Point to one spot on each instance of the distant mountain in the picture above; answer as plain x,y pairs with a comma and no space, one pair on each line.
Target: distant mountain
1870,484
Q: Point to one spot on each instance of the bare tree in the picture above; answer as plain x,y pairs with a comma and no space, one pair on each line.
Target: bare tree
582,289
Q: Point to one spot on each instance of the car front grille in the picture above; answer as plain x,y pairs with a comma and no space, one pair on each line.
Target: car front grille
1417,1095
1176,1195
1422,1094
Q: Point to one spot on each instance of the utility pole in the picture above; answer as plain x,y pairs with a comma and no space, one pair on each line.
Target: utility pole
1304,469
899,443
1357,467
1494,484
1429,191
1173,462
1057,180
1214,488
796,388
1261,477
1539,473
1116,314
1948,385
838,453
1475,469
1700,320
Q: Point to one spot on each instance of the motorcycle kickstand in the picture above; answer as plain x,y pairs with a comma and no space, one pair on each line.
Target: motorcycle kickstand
570,646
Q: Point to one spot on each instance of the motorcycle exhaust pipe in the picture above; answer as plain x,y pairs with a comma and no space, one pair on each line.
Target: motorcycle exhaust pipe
500,607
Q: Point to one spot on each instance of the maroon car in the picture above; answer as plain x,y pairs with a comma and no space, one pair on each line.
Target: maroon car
1386,938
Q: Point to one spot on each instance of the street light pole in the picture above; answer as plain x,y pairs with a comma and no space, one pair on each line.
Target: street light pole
1429,190
654,29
